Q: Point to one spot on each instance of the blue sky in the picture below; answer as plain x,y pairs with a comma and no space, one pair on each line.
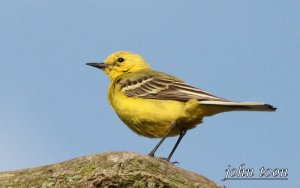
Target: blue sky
53,107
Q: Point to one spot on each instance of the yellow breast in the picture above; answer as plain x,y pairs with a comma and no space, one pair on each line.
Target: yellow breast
152,117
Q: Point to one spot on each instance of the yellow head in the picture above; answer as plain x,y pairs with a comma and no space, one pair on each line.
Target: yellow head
121,62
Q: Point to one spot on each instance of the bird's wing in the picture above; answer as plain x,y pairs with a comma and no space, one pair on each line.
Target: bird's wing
165,88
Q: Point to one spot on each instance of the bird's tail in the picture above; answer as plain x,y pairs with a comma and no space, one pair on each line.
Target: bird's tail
239,106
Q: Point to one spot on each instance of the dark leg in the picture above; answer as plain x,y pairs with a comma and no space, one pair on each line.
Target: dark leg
182,133
161,141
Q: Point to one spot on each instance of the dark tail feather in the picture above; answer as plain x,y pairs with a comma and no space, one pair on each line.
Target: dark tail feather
241,106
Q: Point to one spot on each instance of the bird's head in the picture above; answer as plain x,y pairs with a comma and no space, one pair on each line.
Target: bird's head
121,62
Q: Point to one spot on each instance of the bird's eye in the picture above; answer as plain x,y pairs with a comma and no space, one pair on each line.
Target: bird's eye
120,59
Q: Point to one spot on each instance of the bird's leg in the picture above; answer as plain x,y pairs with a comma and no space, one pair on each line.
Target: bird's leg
161,141
182,133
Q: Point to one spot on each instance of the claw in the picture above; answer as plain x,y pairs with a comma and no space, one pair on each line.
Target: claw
166,159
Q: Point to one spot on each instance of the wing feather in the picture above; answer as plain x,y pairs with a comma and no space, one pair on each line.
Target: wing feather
151,87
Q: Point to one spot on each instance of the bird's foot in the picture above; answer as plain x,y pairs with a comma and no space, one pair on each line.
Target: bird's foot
151,154
167,160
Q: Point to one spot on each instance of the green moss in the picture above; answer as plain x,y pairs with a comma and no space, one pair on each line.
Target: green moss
115,169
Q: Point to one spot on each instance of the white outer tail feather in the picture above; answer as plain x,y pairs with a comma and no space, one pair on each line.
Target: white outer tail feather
241,106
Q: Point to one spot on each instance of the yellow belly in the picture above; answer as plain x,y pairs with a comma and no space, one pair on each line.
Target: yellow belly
154,118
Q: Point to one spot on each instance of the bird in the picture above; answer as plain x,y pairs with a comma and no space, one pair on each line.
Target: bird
158,105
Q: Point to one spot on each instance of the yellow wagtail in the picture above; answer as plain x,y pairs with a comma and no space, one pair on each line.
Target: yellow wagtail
158,105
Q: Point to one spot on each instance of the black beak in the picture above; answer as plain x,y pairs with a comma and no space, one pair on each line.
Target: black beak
97,65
